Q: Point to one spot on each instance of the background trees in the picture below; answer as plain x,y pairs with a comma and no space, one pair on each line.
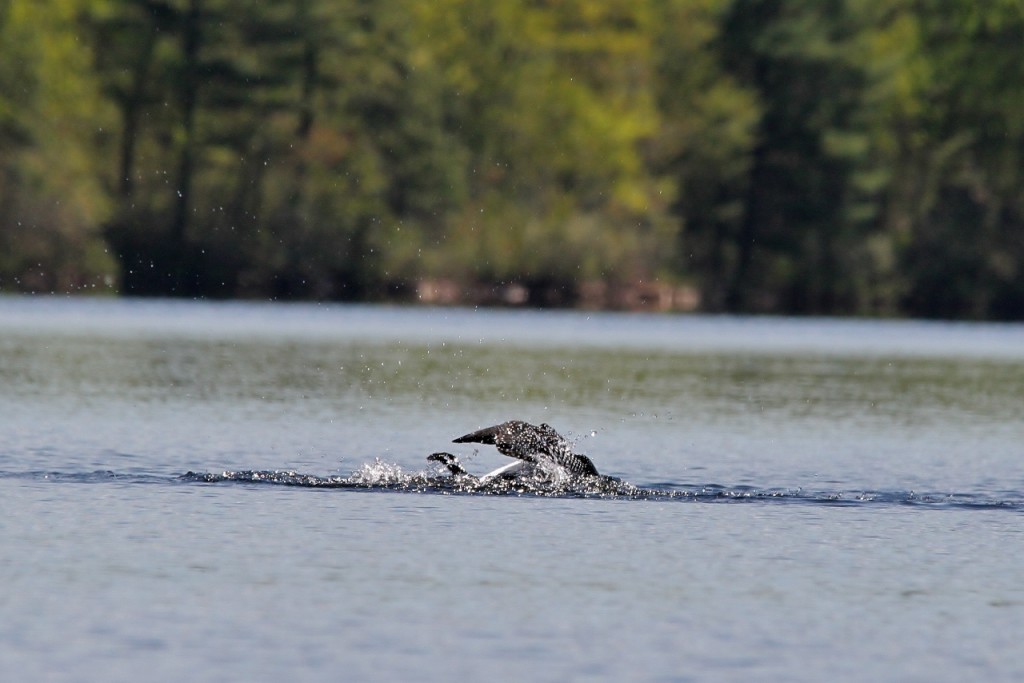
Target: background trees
965,224
788,156
52,205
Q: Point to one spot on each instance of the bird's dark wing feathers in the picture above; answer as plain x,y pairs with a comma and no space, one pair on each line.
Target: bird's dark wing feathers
529,442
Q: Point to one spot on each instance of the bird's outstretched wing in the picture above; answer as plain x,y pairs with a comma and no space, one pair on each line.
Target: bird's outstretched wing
532,443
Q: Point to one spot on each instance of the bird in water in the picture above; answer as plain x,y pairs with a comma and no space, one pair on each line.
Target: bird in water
538,445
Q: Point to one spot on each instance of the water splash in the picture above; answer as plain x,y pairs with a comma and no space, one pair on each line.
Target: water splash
388,477
382,476
379,473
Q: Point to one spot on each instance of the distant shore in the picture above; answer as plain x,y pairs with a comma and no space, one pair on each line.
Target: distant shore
594,295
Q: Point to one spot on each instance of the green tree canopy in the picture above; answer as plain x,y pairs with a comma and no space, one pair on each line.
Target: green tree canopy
52,204
784,156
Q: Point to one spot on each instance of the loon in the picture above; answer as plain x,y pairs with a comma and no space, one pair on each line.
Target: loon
452,464
526,442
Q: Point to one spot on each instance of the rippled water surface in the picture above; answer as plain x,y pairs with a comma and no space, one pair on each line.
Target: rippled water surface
200,491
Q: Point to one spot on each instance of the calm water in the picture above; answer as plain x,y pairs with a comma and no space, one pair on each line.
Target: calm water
800,499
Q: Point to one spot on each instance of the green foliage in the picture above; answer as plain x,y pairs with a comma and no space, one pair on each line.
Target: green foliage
553,106
792,156
705,141
51,203
964,254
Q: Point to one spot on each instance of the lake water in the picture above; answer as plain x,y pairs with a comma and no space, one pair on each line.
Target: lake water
233,491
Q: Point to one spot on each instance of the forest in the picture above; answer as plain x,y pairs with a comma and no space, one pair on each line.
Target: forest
799,157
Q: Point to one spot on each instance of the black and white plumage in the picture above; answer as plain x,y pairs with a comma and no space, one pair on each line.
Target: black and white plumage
534,444
506,472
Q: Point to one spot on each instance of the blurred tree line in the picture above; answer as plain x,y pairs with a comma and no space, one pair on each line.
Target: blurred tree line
790,156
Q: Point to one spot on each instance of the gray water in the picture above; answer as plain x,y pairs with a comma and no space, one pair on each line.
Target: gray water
227,491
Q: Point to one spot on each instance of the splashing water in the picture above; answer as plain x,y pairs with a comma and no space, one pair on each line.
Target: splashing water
382,476
379,473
